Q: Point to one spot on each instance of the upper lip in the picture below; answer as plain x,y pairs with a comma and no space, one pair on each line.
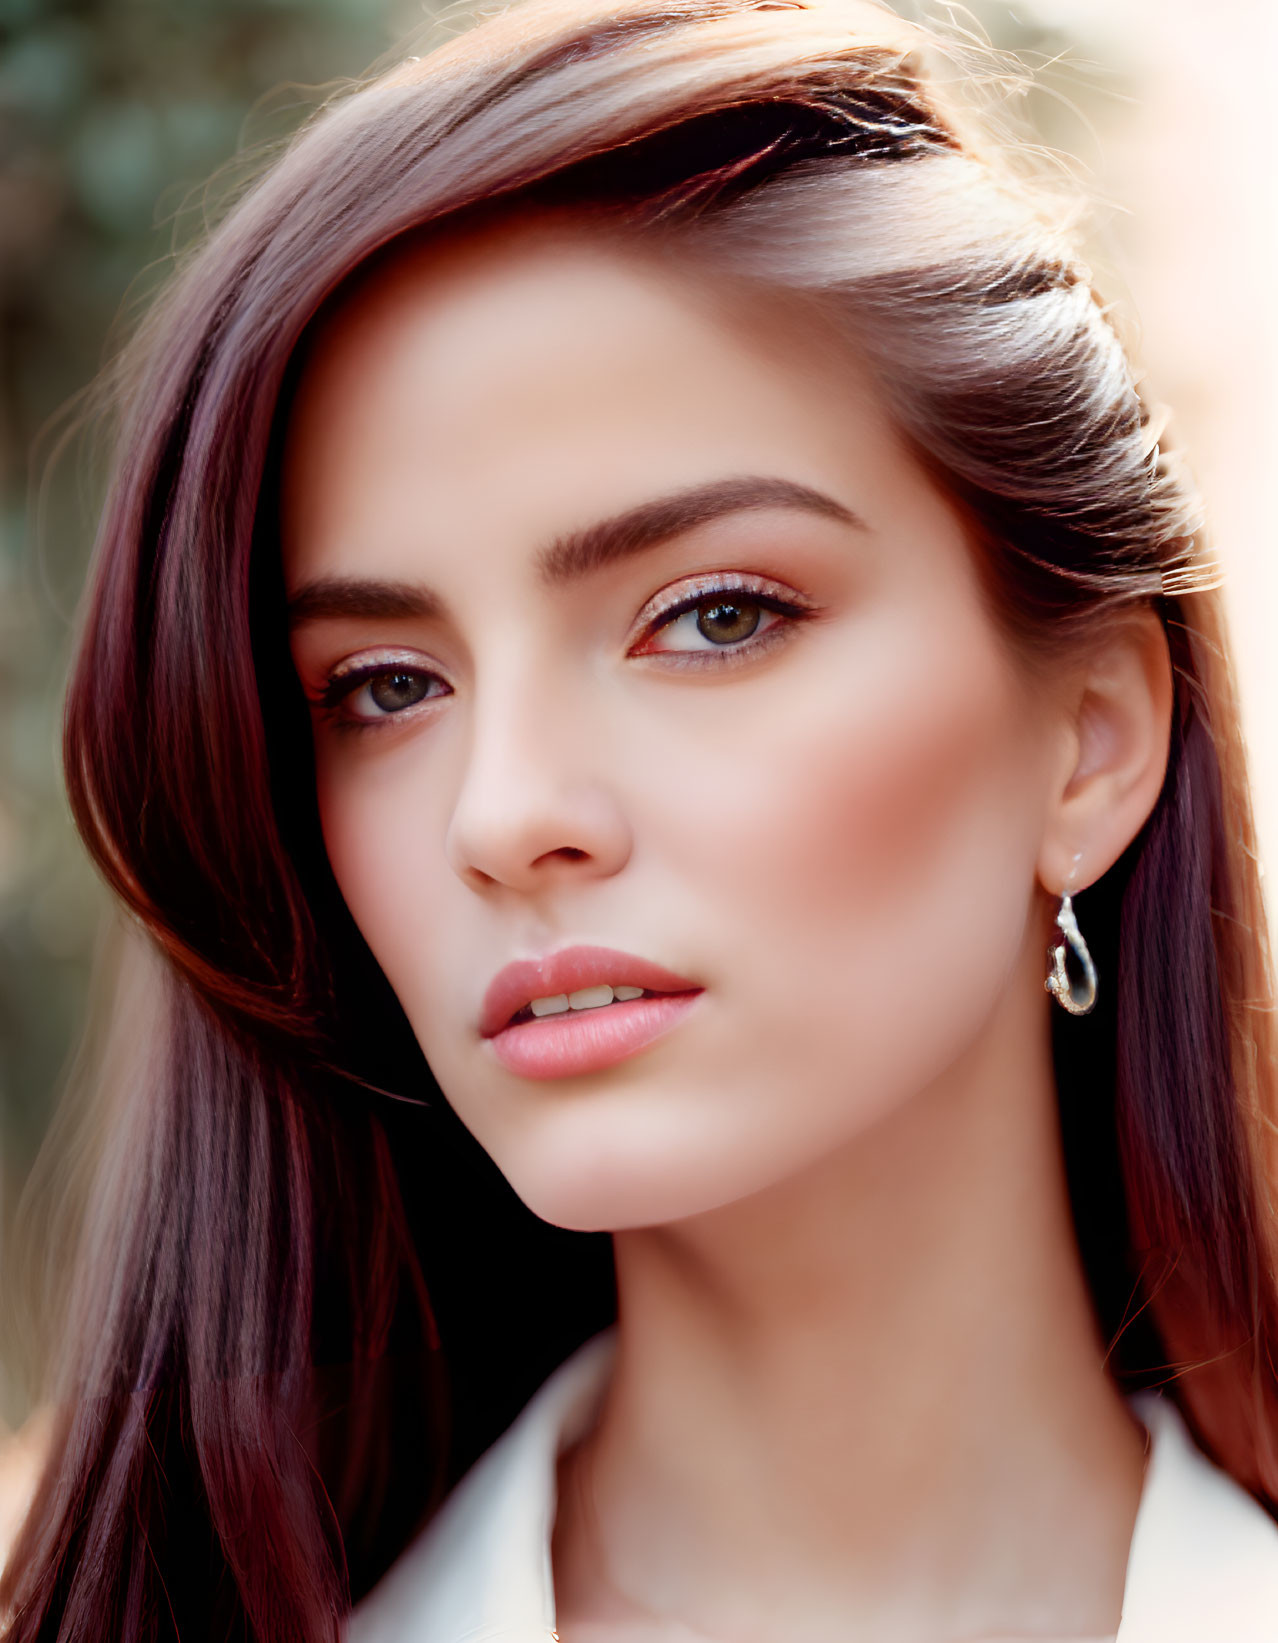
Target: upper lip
566,971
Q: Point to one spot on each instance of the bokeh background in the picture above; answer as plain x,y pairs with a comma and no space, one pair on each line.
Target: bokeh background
115,115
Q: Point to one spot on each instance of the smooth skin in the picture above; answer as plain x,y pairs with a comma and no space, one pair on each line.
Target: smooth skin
859,1391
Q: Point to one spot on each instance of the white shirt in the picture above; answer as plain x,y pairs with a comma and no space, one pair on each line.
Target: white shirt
1203,1566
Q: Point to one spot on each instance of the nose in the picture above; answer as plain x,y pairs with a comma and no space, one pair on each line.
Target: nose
534,805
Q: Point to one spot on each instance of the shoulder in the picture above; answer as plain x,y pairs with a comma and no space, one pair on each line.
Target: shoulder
481,1567
1203,1566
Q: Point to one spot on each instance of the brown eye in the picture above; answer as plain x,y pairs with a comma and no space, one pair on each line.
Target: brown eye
392,692
713,626
725,622
370,694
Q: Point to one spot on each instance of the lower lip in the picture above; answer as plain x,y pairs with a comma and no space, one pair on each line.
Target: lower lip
585,1041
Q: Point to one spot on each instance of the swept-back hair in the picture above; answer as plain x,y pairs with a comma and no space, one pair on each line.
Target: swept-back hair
259,1403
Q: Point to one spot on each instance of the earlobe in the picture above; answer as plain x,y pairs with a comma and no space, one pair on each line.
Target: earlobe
1120,723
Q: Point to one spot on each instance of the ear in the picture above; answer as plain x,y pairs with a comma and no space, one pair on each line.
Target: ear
1114,752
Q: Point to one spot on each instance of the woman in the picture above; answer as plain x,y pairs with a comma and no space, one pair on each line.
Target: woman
639,598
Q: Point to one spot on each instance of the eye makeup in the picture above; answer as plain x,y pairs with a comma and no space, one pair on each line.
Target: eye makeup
397,684
712,596
399,672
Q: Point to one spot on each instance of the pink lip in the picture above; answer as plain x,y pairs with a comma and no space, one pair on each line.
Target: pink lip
585,1041
565,972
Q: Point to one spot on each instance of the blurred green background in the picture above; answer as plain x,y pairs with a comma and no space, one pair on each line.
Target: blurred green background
112,117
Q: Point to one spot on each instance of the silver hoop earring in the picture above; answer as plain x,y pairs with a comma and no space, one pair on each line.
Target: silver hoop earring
1076,997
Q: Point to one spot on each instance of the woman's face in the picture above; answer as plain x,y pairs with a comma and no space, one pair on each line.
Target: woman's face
629,623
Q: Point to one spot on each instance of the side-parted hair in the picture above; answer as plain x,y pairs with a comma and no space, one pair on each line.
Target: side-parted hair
301,1306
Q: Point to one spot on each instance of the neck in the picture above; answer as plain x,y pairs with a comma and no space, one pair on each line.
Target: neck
870,1401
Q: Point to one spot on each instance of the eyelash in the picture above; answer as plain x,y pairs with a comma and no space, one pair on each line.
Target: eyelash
340,686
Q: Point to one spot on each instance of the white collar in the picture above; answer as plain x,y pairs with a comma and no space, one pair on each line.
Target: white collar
1203,1566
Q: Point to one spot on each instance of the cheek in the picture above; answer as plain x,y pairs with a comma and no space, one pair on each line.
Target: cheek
878,833
376,810
894,793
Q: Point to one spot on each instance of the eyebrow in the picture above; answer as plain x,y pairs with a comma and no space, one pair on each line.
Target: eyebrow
579,553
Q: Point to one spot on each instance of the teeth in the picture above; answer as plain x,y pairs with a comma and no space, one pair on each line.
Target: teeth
590,998
585,998
549,1006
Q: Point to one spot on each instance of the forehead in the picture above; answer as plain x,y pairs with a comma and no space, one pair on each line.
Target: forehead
502,290
506,386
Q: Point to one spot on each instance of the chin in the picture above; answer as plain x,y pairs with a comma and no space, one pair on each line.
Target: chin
587,1183
582,1207
582,1198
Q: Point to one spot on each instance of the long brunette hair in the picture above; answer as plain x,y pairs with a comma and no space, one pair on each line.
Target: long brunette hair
259,1403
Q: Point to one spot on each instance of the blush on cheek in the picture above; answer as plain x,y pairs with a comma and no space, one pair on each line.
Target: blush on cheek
886,842
869,792
887,802
917,769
